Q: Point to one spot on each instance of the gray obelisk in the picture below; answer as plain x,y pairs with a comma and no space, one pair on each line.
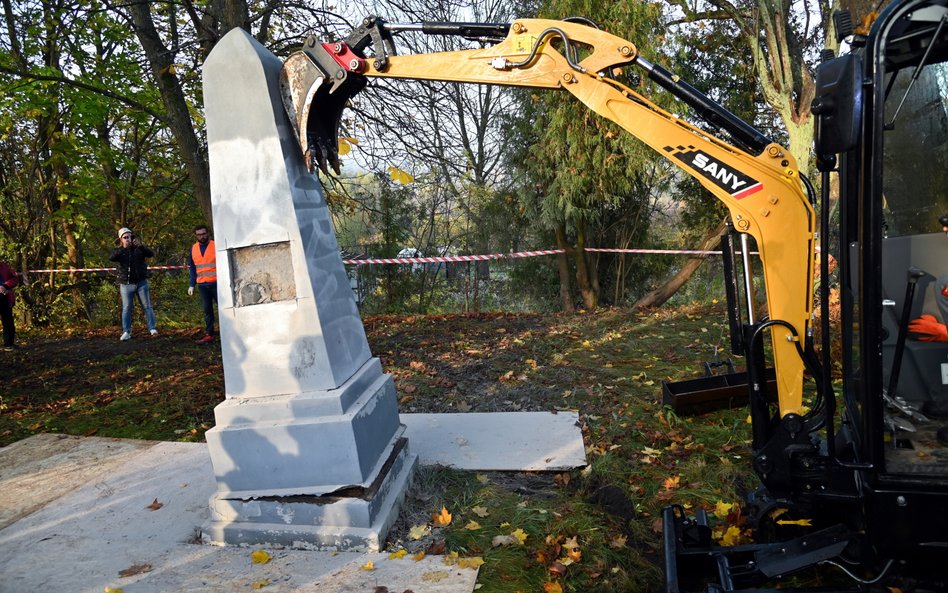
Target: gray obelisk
308,450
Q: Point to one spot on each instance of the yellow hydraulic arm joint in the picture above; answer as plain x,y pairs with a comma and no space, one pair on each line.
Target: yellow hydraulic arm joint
762,191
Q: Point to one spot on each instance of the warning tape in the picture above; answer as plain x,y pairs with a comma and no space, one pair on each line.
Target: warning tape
431,260
452,258
72,270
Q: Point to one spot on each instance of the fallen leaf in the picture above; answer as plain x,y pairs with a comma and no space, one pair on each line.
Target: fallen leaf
618,541
436,547
134,570
472,526
503,540
551,587
731,537
434,576
368,566
113,590
442,519
260,557
418,532
472,562
520,535
257,585
480,511
398,555
418,557
482,478
557,570
721,509
671,483
155,505
800,522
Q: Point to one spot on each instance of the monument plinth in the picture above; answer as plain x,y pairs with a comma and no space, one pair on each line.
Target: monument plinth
307,448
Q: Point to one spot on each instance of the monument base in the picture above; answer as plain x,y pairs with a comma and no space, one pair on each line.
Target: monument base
355,520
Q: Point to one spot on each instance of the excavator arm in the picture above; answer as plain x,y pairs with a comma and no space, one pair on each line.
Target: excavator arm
757,181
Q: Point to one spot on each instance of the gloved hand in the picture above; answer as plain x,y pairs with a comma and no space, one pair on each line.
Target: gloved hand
190,290
929,329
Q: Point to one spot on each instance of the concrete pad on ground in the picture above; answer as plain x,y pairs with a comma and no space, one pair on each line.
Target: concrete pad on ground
78,533
499,441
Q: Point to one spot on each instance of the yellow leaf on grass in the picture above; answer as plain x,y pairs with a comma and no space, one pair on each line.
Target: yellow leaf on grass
731,537
472,562
368,566
398,555
520,536
552,587
418,532
419,556
722,509
480,511
618,541
442,519
472,526
571,542
482,478
671,483
260,557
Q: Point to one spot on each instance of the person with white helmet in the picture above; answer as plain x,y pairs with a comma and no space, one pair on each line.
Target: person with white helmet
130,257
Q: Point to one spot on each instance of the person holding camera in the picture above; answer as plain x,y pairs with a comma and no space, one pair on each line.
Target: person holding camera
130,256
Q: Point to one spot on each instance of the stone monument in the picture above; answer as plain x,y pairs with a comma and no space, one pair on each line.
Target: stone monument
308,450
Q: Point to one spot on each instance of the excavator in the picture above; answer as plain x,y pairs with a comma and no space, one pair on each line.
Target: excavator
848,434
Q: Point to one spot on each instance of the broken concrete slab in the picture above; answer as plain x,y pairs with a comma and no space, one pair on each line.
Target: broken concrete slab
501,441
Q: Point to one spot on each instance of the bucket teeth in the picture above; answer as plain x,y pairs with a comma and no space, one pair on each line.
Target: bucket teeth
315,107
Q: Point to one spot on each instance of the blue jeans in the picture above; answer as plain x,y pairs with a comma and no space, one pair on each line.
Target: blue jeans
129,292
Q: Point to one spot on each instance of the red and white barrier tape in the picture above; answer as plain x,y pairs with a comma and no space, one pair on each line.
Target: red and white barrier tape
73,270
431,260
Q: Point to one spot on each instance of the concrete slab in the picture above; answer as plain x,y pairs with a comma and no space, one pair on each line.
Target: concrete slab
77,534
74,511
501,441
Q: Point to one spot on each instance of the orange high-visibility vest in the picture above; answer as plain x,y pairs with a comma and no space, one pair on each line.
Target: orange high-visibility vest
206,265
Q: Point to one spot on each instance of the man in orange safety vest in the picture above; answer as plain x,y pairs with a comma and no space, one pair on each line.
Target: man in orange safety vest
202,263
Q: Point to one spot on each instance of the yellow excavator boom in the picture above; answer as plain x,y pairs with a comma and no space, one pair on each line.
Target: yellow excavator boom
762,192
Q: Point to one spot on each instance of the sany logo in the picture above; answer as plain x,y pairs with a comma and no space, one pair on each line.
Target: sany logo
734,182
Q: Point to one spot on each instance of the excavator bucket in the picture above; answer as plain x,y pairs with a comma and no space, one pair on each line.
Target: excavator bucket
316,85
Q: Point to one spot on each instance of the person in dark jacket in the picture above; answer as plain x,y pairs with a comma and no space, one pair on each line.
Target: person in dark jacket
8,279
133,280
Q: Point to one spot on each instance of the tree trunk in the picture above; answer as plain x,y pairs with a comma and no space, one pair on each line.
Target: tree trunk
172,97
664,292
562,262
586,289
